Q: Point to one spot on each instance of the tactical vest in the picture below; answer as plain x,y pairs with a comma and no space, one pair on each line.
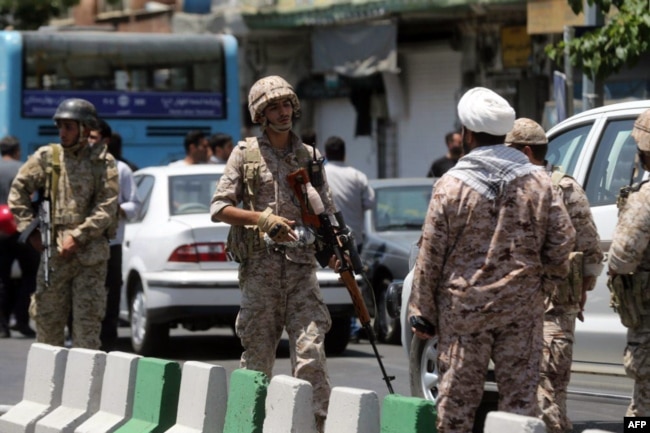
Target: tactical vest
244,240
53,172
569,291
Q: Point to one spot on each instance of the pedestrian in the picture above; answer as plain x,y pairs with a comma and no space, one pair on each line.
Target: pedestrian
279,285
352,197
629,267
196,149
493,237
454,151
221,145
81,184
115,148
128,207
566,301
14,295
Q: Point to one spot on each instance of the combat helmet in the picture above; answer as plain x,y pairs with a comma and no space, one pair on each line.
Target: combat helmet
641,131
526,132
77,109
269,89
7,221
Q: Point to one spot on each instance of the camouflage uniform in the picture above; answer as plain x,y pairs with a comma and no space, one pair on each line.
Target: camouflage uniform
630,253
279,285
479,278
85,207
560,315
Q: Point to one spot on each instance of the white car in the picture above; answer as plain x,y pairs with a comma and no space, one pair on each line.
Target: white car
175,268
596,148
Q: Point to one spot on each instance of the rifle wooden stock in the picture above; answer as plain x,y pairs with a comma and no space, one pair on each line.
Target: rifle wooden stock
355,293
297,180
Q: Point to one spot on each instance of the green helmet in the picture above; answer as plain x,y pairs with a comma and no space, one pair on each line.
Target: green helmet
641,131
77,109
267,90
526,132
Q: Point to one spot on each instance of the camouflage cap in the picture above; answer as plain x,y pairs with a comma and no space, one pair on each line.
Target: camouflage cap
641,131
527,132
267,90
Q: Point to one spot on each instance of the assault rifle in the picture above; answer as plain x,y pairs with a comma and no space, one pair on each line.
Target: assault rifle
334,237
43,222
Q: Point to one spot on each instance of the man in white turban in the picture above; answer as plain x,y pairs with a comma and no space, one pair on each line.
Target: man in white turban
494,236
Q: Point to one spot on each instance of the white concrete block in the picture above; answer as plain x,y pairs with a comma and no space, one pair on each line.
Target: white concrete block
353,410
42,391
118,390
499,422
82,388
202,399
289,407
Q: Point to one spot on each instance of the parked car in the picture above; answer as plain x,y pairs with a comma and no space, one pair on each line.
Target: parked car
391,226
175,268
596,148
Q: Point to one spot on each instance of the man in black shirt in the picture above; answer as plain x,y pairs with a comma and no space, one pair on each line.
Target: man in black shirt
454,152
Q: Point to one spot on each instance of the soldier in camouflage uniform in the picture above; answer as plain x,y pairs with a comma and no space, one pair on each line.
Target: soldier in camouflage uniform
567,300
278,283
493,237
629,257
84,209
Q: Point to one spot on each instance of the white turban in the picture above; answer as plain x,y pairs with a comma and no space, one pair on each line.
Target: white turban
482,110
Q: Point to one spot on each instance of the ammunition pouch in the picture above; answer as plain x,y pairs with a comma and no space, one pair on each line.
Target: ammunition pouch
569,291
243,241
630,297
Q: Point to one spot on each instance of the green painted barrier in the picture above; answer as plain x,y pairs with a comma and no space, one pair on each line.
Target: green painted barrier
401,414
155,402
246,397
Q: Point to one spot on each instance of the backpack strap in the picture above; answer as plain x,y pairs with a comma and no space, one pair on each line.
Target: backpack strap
252,164
55,173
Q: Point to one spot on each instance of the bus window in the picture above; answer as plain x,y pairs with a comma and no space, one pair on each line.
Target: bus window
151,88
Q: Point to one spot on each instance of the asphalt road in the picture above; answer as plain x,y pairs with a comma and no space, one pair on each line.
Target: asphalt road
356,368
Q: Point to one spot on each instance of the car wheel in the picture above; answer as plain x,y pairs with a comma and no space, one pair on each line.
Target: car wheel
147,339
387,329
337,338
423,368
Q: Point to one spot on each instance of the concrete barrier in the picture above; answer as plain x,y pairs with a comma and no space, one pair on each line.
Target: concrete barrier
118,390
42,389
82,387
156,397
202,400
198,401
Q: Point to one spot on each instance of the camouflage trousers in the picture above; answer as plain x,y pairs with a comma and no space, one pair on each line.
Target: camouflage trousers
73,288
463,362
555,371
636,361
278,294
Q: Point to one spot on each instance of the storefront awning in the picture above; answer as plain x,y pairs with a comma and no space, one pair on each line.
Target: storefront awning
291,13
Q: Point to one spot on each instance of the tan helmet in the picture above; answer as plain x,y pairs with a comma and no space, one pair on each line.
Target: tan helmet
641,131
269,89
526,132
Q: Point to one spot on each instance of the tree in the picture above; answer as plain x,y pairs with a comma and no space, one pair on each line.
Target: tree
605,50
31,14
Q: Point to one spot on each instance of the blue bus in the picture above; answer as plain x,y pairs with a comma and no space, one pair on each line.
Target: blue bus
152,88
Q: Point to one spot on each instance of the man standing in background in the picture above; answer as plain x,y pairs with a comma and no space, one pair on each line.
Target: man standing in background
128,207
14,298
196,149
221,145
454,152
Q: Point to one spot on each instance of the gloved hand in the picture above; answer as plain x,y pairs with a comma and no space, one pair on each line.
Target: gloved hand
275,226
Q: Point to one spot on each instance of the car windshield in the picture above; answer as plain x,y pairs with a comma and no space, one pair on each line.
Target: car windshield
191,194
401,207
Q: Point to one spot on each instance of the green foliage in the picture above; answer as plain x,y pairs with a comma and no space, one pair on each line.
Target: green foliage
604,51
31,14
